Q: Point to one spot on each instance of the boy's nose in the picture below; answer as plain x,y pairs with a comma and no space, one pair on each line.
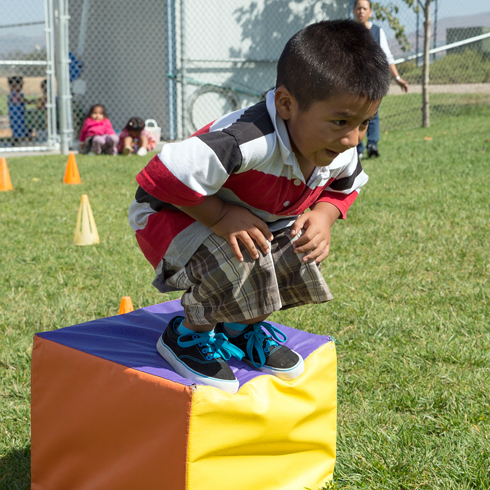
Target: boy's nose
350,139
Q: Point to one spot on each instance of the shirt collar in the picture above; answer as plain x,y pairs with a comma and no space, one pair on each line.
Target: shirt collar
281,130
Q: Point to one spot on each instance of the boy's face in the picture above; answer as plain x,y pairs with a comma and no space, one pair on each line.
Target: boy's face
327,128
17,87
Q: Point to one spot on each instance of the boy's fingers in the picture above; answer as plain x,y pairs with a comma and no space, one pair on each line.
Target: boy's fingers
312,250
297,225
249,245
261,241
235,248
305,242
300,242
323,255
264,229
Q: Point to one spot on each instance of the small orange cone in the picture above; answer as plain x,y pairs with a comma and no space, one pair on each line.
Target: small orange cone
72,176
5,182
85,229
126,305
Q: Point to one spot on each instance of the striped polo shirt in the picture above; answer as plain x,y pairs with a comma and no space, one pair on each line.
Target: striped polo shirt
243,158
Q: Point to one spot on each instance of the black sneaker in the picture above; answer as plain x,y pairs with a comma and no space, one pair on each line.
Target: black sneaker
200,357
372,151
262,350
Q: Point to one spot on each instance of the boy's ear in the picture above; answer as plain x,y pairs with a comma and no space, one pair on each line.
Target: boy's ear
284,102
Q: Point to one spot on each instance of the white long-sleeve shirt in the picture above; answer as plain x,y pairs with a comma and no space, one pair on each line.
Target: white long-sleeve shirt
383,42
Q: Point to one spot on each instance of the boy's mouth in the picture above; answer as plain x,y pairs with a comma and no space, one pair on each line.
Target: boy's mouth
331,154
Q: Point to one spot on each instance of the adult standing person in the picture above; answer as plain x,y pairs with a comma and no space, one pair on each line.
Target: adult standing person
362,13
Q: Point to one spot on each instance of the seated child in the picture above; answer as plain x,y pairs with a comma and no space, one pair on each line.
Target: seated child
17,109
43,100
97,134
224,214
135,139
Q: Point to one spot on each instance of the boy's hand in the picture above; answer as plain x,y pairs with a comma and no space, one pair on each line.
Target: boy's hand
315,241
239,224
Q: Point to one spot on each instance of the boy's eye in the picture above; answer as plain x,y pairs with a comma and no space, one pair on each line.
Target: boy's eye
365,123
340,123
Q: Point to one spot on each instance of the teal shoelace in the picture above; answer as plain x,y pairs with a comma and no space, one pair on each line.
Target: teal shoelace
260,340
213,345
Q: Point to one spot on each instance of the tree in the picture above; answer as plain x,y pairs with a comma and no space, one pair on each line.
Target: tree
425,69
388,14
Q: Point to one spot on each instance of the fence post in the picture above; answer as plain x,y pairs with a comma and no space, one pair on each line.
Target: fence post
64,95
172,82
183,68
53,140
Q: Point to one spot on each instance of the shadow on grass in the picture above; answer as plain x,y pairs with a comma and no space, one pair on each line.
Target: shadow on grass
15,469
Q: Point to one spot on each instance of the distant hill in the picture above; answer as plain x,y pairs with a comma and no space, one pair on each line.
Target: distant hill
478,20
26,44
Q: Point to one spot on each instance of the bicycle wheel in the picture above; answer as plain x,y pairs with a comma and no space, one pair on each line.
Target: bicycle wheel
209,103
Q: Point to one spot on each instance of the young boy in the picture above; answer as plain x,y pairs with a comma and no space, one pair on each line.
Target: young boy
17,109
223,215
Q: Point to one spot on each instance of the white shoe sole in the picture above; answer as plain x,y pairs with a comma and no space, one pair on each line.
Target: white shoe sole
185,372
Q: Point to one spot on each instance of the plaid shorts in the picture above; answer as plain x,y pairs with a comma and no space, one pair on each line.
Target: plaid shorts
219,288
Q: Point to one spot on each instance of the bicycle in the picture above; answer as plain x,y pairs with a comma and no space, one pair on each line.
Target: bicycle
212,101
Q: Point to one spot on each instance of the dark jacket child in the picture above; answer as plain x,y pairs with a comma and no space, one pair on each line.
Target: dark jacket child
134,138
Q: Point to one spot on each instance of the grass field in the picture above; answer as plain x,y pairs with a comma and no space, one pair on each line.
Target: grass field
409,270
405,111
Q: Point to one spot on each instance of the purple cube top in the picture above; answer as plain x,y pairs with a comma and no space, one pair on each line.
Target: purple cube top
130,340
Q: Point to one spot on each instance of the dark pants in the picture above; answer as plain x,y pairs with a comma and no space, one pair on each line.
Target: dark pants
372,134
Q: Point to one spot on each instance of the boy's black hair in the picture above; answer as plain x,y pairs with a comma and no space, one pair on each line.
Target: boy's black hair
135,124
15,80
330,58
102,106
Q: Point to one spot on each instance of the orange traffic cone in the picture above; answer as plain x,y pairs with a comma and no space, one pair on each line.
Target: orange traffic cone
126,305
72,176
5,182
85,229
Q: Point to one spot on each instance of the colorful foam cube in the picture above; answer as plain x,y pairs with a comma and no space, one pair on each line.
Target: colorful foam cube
108,413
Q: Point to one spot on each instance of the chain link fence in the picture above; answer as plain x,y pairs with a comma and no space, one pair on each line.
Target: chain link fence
180,64
459,68
27,81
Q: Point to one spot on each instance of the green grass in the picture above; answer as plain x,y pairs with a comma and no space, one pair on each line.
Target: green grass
405,111
409,270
